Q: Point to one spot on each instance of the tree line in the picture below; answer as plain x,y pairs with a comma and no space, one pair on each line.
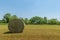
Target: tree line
34,20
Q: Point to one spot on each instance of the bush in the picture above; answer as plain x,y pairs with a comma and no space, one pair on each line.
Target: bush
16,26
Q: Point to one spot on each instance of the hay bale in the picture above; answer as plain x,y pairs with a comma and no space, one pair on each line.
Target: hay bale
16,26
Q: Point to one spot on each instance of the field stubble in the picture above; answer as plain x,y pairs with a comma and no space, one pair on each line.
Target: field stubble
32,32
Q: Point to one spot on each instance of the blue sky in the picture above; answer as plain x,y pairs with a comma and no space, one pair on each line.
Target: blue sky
30,8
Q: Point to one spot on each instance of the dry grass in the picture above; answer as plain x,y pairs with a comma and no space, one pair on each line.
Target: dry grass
32,32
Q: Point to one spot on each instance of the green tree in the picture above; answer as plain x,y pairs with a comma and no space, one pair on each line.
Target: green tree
26,21
21,19
13,17
0,21
4,20
58,22
52,21
7,17
36,20
45,20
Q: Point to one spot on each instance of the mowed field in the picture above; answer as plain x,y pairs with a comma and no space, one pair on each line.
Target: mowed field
32,32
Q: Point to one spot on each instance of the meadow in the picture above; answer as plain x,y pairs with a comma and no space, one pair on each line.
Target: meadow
32,32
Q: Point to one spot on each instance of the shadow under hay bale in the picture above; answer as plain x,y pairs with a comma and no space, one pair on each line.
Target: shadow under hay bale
7,33
11,32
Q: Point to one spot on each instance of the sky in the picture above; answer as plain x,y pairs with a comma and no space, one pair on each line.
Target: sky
30,8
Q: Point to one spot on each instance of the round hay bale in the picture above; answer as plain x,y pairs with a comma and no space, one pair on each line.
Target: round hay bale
16,26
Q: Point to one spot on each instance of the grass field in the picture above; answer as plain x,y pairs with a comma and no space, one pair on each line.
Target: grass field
32,32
